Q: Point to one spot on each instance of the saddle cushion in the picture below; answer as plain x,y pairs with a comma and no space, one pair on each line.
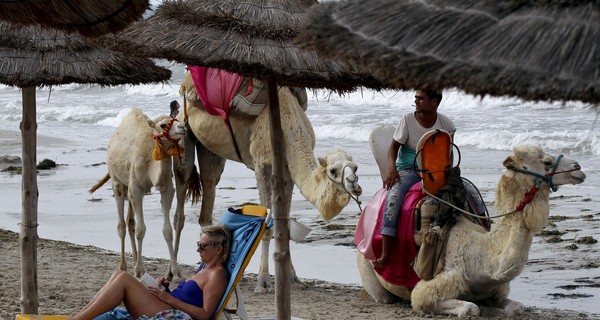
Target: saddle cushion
369,241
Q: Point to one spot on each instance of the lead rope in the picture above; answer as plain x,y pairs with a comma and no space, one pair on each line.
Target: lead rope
527,199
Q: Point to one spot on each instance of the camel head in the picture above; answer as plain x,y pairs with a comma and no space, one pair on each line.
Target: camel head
340,172
531,169
167,134
544,169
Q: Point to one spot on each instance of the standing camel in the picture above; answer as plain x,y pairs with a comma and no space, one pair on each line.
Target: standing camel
139,157
326,182
479,265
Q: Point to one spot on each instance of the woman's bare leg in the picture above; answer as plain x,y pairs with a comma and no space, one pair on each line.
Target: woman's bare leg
110,280
123,287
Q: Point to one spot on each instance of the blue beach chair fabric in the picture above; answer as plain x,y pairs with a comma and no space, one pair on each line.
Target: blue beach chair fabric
248,225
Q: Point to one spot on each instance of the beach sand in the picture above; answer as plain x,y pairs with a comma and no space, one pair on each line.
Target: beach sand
69,275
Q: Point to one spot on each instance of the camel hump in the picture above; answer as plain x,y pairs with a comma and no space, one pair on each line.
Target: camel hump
434,158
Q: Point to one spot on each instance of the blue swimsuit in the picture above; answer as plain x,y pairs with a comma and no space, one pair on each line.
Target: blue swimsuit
188,291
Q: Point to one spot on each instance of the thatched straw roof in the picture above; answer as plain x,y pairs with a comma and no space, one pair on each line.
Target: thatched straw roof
536,50
252,38
88,17
33,56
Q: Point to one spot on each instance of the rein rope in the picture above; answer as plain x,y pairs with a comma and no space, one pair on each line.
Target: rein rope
528,195
355,198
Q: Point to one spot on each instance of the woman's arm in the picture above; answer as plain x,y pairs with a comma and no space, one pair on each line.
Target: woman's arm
214,288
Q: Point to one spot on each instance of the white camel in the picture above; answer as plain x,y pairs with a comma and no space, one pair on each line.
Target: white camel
139,157
325,182
478,265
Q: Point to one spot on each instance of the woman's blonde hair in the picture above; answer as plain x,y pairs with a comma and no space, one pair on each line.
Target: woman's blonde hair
219,233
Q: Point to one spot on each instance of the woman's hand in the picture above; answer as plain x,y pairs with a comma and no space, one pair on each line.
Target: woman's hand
162,281
161,294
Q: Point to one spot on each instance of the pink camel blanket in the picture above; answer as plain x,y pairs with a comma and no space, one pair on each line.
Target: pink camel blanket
215,88
368,240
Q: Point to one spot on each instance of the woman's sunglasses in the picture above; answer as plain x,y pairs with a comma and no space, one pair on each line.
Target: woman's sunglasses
203,246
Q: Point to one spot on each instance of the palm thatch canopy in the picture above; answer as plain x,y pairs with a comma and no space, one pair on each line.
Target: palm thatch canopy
251,38
34,56
88,17
536,50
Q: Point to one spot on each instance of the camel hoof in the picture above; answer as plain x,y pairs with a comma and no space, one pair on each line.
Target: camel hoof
514,308
262,290
470,310
263,283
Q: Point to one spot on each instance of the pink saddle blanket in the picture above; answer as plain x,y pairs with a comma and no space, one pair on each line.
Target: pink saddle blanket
215,88
368,239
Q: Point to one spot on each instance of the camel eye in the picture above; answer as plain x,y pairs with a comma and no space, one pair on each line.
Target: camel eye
333,171
548,163
163,125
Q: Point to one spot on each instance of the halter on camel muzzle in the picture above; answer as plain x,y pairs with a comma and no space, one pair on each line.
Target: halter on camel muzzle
355,198
543,178
174,150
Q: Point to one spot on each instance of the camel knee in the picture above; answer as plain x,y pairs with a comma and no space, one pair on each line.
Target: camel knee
167,232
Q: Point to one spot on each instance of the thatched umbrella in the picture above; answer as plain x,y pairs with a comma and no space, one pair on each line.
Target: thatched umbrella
254,39
535,50
30,57
88,17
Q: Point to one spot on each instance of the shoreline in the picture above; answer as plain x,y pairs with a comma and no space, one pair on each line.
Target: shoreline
69,275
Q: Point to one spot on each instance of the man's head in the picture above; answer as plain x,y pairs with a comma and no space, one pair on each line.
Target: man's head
427,100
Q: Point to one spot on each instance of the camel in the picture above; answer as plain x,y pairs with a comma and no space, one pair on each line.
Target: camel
479,265
328,183
139,157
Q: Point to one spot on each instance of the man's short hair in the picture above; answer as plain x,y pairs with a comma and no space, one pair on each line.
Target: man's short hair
433,94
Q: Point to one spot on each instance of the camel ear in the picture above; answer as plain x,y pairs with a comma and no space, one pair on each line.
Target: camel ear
151,124
322,161
509,161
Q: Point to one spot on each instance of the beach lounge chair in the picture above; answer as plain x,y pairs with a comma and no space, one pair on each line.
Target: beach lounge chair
247,225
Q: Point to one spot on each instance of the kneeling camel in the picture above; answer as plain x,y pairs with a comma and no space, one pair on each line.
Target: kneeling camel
479,266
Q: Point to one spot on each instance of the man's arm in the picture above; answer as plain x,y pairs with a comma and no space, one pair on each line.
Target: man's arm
392,175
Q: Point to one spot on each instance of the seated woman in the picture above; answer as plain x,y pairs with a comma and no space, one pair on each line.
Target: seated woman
196,297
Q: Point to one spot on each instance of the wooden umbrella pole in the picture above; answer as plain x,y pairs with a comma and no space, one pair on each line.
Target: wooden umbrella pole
29,221
280,205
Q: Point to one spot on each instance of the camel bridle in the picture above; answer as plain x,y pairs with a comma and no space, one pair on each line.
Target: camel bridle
539,179
165,133
355,198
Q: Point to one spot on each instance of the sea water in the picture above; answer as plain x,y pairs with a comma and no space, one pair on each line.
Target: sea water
75,123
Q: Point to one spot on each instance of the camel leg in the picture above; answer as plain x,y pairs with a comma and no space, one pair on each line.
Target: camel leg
131,229
211,167
263,175
460,308
294,279
119,192
182,170
167,192
370,282
437,296
510,307
135,196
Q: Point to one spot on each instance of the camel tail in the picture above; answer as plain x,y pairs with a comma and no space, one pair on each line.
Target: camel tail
194,188
100,183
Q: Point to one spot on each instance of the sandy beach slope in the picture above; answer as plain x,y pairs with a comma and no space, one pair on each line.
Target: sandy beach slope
69,275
